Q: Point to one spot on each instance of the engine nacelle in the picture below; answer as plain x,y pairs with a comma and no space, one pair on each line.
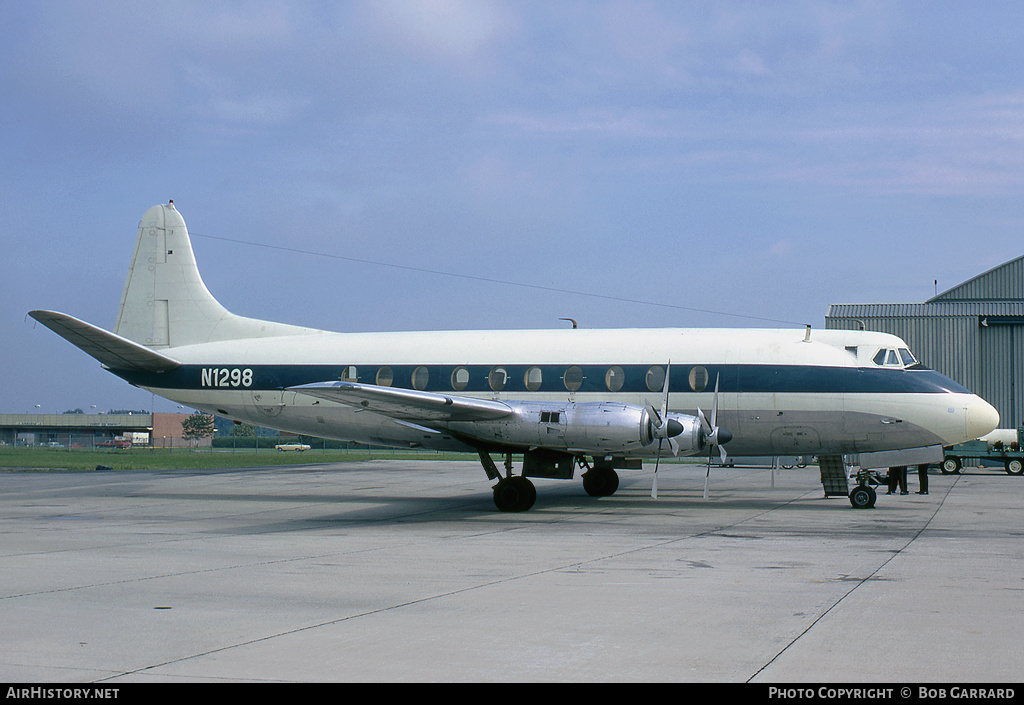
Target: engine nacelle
584,427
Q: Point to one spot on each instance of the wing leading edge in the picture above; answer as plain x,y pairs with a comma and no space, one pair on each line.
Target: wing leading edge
407,404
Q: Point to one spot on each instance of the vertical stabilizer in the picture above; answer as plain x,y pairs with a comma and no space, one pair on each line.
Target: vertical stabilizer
165,302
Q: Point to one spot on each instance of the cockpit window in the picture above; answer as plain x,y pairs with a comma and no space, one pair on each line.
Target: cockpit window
889,357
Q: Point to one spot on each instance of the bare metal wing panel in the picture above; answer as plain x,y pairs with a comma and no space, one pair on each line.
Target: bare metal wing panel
408,404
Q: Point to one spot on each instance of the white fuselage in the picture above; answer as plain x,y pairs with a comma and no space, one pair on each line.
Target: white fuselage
780,391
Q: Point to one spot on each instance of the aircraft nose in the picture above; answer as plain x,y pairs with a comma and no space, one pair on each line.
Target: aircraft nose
982,418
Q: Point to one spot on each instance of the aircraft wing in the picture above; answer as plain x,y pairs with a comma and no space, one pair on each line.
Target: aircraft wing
110,349
407,404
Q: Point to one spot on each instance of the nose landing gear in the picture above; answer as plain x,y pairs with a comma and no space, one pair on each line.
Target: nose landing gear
863,495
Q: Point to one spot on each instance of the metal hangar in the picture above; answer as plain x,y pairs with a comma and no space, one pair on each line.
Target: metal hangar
972,333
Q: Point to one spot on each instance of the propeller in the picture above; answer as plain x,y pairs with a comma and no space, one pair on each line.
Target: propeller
664,429
713,436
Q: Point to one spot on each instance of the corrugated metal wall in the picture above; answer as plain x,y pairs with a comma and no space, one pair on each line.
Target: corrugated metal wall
973,333
1003,370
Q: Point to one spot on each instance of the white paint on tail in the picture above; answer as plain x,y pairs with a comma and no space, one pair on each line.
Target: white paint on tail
165,303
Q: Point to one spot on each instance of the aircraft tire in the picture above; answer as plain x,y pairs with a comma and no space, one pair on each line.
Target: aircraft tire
862,497
600,482
514,494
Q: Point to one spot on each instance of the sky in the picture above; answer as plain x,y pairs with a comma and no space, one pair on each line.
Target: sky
450,164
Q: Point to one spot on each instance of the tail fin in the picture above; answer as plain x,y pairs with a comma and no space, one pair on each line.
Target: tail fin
165,302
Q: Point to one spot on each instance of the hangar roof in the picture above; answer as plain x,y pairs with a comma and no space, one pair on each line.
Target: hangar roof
997,293
940,309
1002,283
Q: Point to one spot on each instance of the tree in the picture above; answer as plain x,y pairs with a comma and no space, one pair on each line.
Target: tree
197,426
243,430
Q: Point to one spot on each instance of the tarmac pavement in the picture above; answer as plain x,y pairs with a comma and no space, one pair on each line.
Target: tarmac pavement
404,571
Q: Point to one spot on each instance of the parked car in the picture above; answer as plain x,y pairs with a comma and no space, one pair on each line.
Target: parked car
115,443
292,446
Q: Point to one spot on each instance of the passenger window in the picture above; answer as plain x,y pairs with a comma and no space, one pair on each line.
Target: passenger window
655,378
533,379
614,378
573,378
460,379
698,378
420,377
385,377
497,379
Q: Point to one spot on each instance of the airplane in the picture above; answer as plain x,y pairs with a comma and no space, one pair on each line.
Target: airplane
599,400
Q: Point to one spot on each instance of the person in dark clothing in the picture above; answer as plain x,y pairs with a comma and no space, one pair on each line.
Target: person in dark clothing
922,479
898,476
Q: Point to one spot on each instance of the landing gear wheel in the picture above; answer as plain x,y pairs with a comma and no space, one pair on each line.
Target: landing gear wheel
600,482
950,466
862,497
1014,466
514,494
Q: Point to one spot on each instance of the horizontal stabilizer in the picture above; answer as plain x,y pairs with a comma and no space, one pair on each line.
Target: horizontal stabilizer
110,349
407,404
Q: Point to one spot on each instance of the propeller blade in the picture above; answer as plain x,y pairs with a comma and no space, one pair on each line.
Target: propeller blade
664,429
654,484
707,478
714,405
664,392
714,435
704,425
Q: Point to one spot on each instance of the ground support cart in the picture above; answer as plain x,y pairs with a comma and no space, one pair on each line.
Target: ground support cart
981,451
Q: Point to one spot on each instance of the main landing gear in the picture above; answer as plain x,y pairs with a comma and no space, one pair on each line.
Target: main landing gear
600,481
515,493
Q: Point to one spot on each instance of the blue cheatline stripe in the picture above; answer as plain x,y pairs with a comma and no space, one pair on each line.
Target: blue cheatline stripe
555,378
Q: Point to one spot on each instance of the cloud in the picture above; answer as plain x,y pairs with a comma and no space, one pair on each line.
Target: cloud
440,29
751,63
554,133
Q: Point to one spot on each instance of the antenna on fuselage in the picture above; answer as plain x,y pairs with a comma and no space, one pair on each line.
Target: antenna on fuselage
575,325
807,335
